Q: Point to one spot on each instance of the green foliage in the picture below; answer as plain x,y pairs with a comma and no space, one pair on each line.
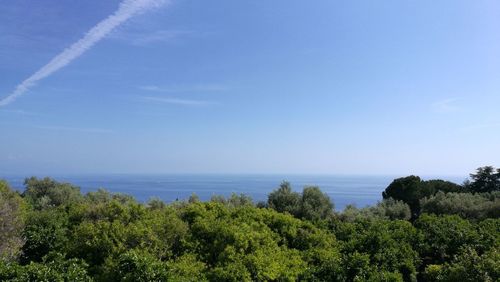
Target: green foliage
55,268
156,204
12,217
193,198
408,189
240,200
468,266
318,247
101,239
45,231
436,185
186,268
489,234
312,204
445,236
472,206
135,265
412,189
486,179
372,245
46,193
235,200
239,245
385,209
392,209
315,204
64,236
285,200
103,196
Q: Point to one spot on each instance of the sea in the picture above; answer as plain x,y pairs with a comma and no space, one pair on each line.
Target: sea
342,189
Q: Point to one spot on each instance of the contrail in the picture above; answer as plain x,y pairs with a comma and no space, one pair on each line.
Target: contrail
126,10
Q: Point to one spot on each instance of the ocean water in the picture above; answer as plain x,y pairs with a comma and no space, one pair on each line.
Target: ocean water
343,190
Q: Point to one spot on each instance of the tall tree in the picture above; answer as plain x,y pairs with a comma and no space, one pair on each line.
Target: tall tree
284,199
412,189
315,204
486,179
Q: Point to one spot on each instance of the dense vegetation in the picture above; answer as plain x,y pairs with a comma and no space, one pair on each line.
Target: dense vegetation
421,230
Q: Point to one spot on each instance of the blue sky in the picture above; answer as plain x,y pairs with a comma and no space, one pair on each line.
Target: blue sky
327,87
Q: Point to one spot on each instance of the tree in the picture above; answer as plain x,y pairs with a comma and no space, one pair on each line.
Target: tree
380,245
112,237
486,179
315,204
412,189
186,268
45,232
312,204
408,189
285,200
444,236
45,193
238,245
470,206
156,204
468,266
235,200
136,265
239,200
193,198
386,209
104,196
52,268
393,209
12,213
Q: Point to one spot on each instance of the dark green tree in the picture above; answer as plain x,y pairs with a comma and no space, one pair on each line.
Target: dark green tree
412,189
408,189
486,179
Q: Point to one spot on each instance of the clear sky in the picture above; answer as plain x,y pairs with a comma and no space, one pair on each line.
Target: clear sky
340,87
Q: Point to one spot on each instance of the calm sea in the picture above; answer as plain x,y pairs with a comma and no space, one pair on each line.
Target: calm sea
343,190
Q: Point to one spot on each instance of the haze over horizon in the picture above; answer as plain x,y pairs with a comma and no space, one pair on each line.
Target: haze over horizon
389,88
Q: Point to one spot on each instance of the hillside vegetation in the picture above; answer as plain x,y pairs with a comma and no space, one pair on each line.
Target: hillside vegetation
420,231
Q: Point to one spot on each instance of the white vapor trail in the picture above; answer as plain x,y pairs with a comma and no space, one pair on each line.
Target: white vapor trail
126,10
